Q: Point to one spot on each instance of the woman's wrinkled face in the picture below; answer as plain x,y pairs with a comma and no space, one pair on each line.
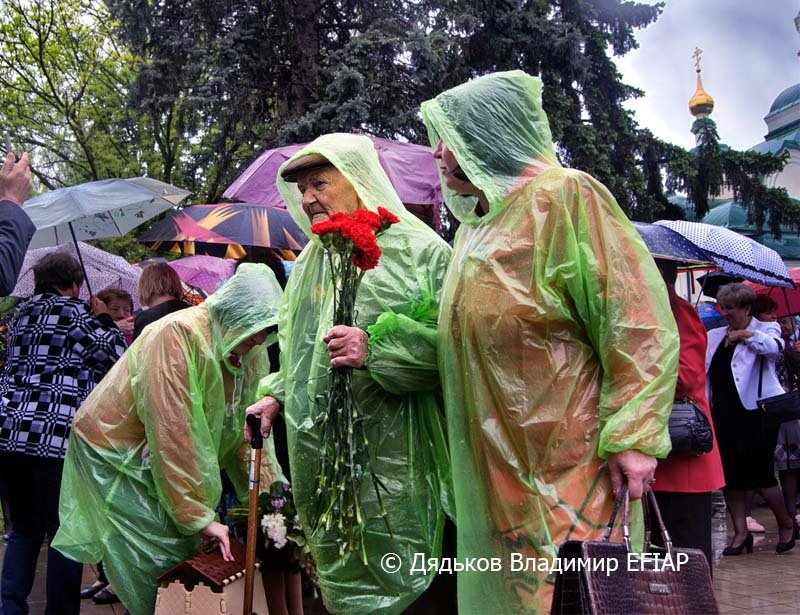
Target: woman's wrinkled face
738,317
119,309
326,191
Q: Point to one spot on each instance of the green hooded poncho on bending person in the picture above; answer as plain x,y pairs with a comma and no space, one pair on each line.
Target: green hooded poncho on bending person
142,471
397,304
557,346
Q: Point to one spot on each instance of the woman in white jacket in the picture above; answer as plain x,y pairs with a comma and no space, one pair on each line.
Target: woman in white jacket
740,360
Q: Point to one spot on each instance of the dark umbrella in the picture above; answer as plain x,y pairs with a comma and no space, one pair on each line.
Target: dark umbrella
246,224
714,280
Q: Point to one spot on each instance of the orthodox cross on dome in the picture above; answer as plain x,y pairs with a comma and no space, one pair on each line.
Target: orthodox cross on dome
696,55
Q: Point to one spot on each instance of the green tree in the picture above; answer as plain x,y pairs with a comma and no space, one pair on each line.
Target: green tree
711,167
64,94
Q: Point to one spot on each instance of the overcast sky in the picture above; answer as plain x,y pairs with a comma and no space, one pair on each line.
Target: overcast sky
749,56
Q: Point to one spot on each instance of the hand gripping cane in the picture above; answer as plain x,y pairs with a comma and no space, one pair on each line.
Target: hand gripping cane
256,443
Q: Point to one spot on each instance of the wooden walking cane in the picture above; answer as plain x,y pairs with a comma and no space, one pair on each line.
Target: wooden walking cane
256,443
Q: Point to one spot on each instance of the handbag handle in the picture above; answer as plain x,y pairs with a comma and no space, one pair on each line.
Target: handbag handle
623,501
651,497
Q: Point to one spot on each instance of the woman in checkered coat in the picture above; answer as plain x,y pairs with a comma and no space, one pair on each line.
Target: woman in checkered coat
58,350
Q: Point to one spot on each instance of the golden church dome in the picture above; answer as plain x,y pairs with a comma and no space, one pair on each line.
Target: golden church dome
701,104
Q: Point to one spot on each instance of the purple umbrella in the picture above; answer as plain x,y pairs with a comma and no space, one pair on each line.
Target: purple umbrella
411,169
205,272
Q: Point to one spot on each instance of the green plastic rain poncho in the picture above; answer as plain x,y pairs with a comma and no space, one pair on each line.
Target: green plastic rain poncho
397,304
142,471
557,345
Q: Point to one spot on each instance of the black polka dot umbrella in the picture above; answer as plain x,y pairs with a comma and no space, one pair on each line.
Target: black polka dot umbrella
734,253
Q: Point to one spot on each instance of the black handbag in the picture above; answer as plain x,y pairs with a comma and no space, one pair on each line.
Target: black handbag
673,583
779,408
689,430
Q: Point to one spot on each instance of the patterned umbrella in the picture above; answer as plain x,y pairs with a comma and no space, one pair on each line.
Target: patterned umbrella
246,224
734,253
665,243
103,270
96,210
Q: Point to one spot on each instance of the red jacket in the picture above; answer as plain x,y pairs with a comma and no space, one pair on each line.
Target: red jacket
690,474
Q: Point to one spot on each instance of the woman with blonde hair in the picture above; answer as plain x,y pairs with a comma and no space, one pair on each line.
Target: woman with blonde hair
160,289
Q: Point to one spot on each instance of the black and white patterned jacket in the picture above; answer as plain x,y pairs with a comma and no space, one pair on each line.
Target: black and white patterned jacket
57,353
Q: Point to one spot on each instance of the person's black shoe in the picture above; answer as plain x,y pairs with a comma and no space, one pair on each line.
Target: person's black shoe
91,591
746,544
104,596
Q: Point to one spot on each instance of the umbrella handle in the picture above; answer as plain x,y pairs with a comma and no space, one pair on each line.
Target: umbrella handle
80,259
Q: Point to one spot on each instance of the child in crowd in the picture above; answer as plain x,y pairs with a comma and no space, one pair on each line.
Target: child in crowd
120,307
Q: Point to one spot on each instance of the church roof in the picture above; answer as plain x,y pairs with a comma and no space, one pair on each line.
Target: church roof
787,137
788,98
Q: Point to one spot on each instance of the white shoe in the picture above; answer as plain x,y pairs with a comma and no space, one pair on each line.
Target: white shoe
754,526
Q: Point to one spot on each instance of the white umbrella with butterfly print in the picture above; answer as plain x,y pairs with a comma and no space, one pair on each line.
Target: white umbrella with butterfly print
97,210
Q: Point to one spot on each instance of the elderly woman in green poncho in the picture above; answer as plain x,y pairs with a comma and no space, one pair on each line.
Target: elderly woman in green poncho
557,346
142,472
396,380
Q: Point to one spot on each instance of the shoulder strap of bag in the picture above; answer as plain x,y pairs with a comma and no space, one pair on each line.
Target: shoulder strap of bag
760,377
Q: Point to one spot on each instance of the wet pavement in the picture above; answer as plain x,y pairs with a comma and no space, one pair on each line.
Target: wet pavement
761,583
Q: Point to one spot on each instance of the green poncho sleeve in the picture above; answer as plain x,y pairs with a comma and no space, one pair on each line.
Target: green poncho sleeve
168,388
632,332
402,347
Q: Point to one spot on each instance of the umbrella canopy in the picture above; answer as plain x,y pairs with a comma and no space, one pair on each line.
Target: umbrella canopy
411,169
734,253
100,209
246,224
205,272
788,299
104,270
664,243
714,280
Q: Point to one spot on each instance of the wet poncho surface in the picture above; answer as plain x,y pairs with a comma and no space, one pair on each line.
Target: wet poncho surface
142,471
397,304
556,342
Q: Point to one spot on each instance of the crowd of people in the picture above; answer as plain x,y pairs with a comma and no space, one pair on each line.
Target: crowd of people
513,383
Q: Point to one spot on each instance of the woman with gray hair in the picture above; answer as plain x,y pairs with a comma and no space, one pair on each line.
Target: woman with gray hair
740,360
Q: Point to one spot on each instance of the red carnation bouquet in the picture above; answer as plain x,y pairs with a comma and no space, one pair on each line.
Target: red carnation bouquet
350,241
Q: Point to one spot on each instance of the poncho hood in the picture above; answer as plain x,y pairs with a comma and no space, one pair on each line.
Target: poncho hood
357,159
498,131
246,304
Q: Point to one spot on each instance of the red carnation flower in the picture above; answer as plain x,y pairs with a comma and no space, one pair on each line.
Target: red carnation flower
370,218
387,216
